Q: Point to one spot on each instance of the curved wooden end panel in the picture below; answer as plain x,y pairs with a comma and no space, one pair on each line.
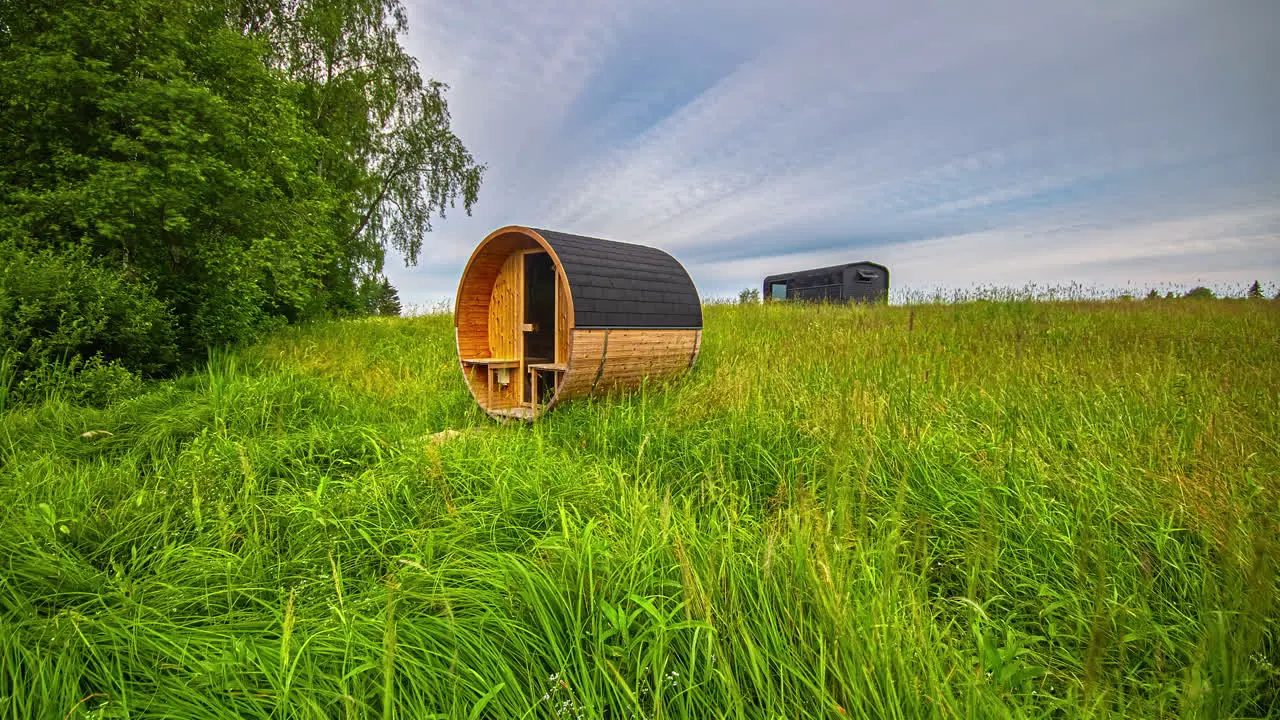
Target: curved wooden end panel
487,316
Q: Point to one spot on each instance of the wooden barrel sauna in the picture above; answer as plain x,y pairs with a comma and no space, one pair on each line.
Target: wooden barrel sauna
543,317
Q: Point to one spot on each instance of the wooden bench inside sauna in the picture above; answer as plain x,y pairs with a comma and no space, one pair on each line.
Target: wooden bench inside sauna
543,317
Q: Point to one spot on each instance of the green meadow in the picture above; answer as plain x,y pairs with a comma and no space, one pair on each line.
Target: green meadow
973,510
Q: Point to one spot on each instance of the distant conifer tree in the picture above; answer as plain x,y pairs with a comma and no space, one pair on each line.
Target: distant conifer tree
1255,291
388,299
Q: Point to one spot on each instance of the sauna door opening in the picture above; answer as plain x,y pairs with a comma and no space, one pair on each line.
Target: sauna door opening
539,310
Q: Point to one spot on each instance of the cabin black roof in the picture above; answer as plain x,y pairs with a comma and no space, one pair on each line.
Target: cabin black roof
827,269
621,285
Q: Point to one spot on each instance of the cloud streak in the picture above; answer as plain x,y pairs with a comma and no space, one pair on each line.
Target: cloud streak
1071,141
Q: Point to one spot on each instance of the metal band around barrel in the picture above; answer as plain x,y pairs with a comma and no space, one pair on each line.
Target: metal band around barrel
693,354
604,353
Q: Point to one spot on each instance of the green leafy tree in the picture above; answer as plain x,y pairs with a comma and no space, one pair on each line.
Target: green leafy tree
1255,291
152,132
1199,293
393,149
249,162
749,295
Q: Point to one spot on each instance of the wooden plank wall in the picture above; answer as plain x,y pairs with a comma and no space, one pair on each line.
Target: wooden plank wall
632,355
636,354
471,311
508,397
505,309
472,307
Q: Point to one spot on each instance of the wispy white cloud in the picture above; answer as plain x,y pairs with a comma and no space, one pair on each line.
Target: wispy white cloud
1217,248
991,141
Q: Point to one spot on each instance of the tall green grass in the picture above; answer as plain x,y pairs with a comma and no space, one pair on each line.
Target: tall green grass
977,510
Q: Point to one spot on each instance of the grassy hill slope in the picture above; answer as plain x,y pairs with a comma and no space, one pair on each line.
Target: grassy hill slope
980,510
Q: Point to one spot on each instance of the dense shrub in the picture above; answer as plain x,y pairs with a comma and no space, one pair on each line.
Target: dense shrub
88,381
63,313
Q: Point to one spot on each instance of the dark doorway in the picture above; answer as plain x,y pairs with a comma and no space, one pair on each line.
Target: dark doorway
539,308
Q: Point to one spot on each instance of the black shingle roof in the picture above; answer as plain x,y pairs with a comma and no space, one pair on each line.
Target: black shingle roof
828,269
621,285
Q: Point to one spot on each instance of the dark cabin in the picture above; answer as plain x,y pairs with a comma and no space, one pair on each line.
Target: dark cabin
859,282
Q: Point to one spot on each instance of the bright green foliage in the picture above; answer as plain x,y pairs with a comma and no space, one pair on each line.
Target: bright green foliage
164,136
985,510
1199,293
60,312
362,88
388,299
377,296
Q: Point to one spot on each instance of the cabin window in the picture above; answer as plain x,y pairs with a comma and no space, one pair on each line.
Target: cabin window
866,276
778,291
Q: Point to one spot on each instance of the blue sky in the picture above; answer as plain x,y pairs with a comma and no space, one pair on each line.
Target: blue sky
960,143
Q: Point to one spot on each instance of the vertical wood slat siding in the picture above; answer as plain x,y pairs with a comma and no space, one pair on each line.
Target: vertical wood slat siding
471,315
472,312
508,397
505,310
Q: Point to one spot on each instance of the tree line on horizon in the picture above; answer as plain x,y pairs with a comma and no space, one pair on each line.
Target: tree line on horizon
180,175
1201,292
750,295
